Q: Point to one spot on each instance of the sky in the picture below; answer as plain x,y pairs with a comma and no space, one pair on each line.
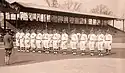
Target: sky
117,6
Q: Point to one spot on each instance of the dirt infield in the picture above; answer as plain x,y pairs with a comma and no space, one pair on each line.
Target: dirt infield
84,65
50,63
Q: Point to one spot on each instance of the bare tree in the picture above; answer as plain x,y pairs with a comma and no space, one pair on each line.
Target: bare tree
102,9
72,5
52,3
68,4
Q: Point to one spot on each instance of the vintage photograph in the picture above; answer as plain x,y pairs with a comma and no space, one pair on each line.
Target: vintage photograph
62,36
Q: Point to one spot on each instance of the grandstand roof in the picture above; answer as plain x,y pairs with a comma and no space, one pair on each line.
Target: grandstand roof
52,9
5,7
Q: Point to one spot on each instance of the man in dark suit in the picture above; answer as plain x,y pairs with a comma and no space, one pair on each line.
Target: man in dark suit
8,44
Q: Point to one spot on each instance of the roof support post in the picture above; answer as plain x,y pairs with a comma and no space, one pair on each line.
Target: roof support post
36,16
4,21
46,20
10,15
20,15
16,21
63,19
92,21
113,22
86,23
123,25
28,16
74,20
69,24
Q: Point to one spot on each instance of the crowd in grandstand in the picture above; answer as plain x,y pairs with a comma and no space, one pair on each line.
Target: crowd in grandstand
60,41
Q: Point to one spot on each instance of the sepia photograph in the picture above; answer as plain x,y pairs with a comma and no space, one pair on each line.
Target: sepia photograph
62,36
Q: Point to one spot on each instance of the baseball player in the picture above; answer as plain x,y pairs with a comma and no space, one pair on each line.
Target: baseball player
91,40
46,41
100,42
18,40
83,41
108,42
39,41
22,45
56,39
50,40
64,41
27,41
33,40
73,42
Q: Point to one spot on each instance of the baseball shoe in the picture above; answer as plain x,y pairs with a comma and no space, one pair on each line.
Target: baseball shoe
74,53
92,54
64,53
82,53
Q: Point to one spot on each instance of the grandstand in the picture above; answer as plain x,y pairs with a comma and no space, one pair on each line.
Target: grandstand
33,16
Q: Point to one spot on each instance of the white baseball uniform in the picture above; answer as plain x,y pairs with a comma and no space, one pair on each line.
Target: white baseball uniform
64,41
27,40
18,39
74,41
45,40
92,39
56,40
108,41
83,41
39,40
100,42
33,40
22,40
50,40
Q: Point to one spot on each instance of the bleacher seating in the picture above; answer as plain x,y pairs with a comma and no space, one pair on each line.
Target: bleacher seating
118,35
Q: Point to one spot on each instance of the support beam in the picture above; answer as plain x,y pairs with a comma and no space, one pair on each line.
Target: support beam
86,23
69,24
123,24
4,21
46,20
113,23
16,21
10,15
92,21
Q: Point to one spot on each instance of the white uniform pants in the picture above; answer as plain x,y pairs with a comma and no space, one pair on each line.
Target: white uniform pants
33,43
38,44
82,45
100,46
73,44
64,44
22,43
27,43
91,45
107,45
45,43
17,42
55,44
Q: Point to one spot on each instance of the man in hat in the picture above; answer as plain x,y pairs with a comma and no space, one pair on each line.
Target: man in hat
92,40
27,41
8,43
39,41
22,44
33,41
56,39
46,41
83,42
18,40
64,41
108,42
100,42
74,42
